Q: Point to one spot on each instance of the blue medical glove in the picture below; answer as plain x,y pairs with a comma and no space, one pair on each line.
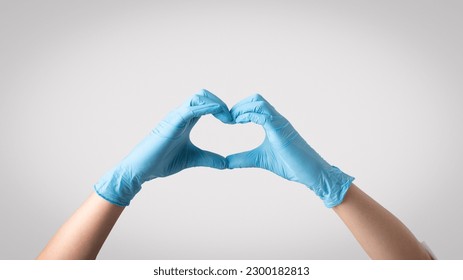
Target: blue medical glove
285,153
165,151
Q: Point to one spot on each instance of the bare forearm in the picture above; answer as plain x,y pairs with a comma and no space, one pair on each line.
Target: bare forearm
82,236
380,233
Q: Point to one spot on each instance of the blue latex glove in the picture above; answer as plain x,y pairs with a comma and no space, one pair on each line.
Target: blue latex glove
165,151
285,153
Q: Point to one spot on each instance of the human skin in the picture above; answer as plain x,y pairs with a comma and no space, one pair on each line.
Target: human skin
83,234
378,231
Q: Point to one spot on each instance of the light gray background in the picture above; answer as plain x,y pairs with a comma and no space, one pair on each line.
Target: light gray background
373,86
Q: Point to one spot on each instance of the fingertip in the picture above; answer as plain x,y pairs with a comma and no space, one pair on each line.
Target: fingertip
224,116
224,165
210,159
240,160
219,162
230,162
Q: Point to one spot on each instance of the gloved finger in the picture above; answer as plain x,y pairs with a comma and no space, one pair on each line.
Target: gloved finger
244,159
211,96
184,114
256,118
206,97
223,116
252,98
207,159
201,110
222,113
260,107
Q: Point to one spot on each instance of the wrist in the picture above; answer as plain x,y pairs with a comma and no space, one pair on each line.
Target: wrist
332,186
118,186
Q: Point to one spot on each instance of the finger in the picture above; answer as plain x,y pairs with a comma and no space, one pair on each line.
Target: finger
259,107
252,98
188,115
199,99
244,159
213,97
256,118
201,110
207,159
205,96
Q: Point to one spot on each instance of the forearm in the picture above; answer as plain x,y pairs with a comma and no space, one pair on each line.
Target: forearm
380,233
82,236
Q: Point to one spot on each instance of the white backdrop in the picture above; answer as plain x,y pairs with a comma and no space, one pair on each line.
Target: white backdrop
374,86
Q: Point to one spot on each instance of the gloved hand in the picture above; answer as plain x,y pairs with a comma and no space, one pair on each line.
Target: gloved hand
165,151
285,153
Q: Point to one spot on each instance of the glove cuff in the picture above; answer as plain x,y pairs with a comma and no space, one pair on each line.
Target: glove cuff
117,187
336,184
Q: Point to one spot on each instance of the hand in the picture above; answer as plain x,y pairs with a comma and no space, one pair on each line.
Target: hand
165,151
285,153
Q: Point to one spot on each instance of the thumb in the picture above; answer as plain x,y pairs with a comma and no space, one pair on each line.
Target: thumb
244,159
207,159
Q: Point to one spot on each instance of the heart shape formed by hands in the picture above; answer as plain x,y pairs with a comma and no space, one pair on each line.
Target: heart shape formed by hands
225,139
168,149
277,153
